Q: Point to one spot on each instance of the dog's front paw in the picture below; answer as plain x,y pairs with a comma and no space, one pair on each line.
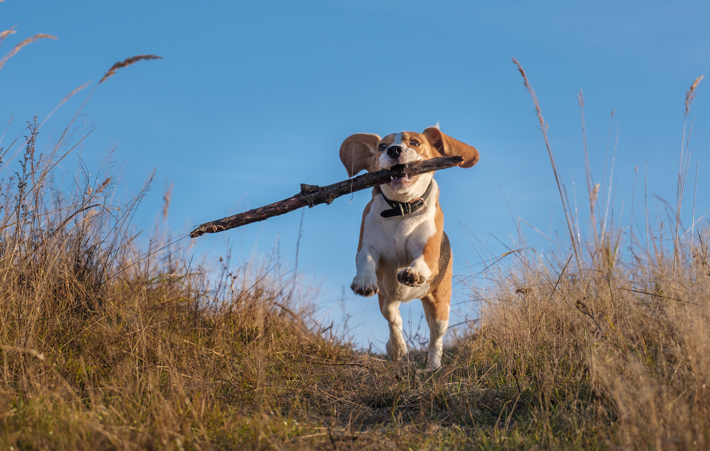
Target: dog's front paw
364,287
411,277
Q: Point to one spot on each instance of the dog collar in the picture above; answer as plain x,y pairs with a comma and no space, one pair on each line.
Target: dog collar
404,208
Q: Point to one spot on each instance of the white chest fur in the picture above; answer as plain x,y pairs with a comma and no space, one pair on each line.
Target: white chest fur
395,242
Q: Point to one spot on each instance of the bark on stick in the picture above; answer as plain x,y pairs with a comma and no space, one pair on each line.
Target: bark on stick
312,195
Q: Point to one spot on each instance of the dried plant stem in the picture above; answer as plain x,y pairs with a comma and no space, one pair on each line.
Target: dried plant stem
42,176
591,191
692,225
543,129
631,216
19,46
127,62
6,33
71,94
683,166
576,213
611,184
690,94
111,71
645,207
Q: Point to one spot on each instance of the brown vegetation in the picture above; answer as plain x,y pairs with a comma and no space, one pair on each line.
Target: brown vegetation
19,46
127,62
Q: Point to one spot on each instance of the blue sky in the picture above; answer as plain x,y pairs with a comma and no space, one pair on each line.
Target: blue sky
253,98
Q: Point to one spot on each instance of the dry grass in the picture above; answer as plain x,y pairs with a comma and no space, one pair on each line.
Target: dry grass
19,46
610,352
543,128
6,33
166,354
127,62
102,347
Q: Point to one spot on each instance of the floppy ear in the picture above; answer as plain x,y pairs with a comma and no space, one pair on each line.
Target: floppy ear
448,146
359,152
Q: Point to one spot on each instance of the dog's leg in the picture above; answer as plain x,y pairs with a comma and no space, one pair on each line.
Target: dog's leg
367,258
437,306
365,281
437,316
396,346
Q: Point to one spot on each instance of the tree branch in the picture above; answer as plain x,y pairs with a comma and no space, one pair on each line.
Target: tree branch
312,195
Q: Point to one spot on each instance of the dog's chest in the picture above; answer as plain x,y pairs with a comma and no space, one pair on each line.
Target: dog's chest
395,238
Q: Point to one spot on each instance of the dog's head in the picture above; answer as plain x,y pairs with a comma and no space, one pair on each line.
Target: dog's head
372,153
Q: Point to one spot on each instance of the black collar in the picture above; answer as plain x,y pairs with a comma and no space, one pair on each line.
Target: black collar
404,208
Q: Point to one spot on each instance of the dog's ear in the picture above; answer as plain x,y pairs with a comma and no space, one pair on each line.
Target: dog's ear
448,146
359,152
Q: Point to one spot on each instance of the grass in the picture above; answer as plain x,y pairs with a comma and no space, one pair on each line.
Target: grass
102,347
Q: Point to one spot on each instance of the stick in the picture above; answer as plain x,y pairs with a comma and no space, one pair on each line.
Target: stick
312,195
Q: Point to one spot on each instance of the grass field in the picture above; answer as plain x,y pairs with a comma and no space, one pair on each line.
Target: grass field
604,345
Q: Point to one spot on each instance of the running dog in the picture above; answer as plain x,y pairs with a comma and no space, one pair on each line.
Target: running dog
403,252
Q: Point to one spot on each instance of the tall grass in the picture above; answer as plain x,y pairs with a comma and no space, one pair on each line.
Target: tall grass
104,347
617,346
107,345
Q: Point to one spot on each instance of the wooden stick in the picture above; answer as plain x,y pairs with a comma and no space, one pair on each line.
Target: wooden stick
312,195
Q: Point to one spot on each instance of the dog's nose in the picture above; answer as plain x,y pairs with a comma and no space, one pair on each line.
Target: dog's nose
394,152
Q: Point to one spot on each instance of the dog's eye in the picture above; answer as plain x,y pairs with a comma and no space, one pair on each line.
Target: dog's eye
383,147
414,143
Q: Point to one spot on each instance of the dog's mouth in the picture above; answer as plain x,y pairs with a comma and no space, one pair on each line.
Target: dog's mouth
399,179
399,182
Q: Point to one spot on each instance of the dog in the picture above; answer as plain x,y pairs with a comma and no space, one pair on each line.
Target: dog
403,252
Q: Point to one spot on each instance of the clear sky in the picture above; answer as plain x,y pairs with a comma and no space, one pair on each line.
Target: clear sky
253,98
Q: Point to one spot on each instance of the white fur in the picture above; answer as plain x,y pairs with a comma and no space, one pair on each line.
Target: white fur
397,243
412,190
437,329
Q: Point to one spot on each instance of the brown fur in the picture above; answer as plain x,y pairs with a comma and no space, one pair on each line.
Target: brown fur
438,302
438,257
447,146
432,249
433,143
359,152
362,223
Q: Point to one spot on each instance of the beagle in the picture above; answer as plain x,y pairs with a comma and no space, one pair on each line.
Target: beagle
403,252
